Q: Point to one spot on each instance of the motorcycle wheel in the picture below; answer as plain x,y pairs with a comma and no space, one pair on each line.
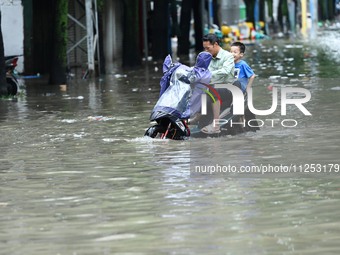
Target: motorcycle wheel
154,131
12,86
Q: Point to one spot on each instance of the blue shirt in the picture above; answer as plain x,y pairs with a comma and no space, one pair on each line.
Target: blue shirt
242,73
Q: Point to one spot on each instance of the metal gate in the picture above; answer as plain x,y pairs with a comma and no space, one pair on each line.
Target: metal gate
83,36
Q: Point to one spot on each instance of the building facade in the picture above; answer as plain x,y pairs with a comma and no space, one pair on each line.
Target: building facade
12,25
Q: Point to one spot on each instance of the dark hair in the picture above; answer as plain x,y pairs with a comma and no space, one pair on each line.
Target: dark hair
212,38
240,45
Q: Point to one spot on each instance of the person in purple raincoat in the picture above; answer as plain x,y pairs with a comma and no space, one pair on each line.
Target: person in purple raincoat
180,86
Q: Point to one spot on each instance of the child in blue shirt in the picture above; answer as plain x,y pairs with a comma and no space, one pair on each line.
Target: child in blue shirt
243,72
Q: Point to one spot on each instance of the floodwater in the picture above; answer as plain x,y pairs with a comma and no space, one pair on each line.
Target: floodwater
78,177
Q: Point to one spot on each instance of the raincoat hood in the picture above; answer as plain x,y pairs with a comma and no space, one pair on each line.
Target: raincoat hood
167,63
203,60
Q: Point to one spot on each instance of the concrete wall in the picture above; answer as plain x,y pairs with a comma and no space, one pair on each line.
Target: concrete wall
12,25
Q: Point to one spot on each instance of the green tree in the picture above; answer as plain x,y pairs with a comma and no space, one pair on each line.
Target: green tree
250,6
327,9
57,68
189,6
270,8
131,52
282,11
160,26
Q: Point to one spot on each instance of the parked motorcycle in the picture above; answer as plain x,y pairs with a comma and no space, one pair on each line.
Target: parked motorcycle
11,79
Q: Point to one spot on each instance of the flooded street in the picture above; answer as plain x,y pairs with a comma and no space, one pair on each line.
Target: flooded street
78,177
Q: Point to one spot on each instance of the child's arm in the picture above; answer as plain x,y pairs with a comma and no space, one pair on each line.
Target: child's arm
250,82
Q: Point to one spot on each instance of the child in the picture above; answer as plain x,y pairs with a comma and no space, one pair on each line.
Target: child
243,72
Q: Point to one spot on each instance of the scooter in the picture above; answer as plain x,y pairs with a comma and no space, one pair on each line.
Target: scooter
177,111
11,79
172,110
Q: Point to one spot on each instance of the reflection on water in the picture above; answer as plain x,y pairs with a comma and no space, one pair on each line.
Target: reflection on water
78,177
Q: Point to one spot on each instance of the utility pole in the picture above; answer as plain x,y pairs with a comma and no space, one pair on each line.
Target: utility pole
313,9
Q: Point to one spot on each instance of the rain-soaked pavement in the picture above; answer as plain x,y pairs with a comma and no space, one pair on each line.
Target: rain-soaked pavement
78,177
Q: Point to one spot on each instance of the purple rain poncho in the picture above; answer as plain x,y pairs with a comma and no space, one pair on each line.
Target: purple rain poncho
181,86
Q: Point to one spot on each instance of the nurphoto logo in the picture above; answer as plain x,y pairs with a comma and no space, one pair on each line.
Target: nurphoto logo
239,104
